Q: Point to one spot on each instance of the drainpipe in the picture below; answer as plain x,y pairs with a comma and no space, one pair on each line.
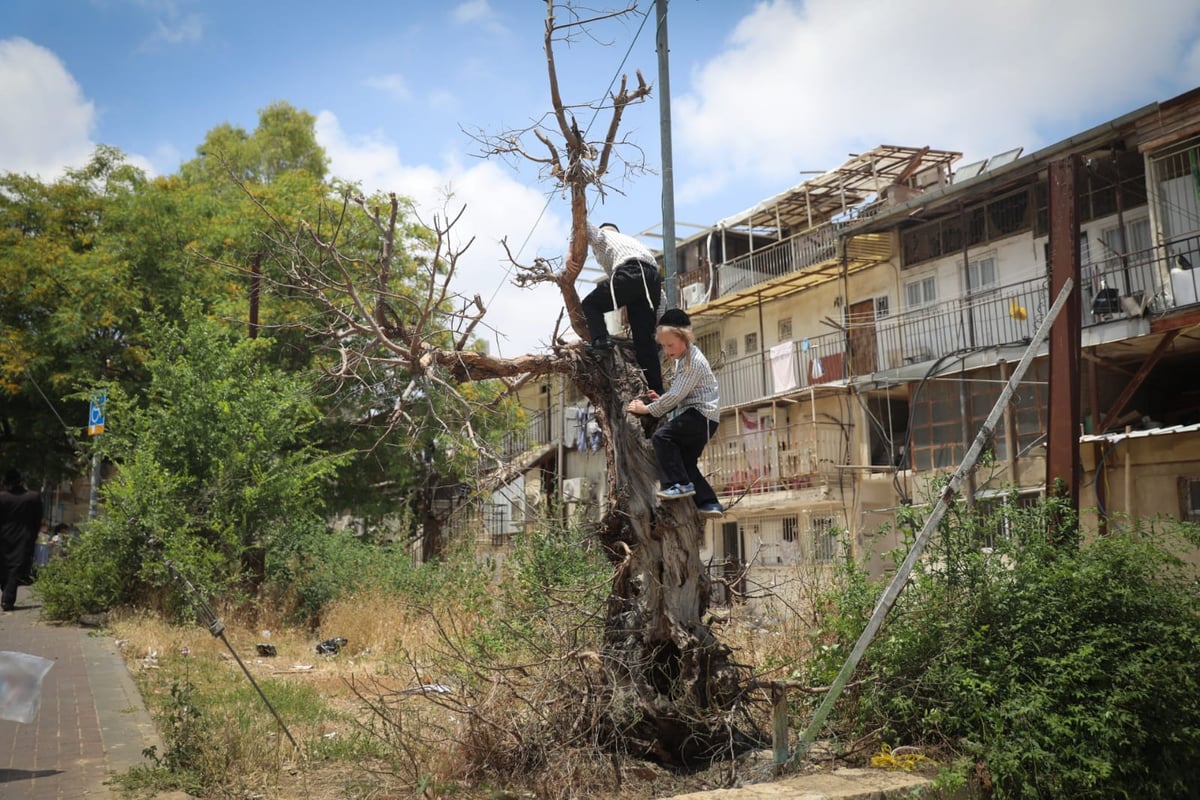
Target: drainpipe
762,345
964,409
1121,237
966,302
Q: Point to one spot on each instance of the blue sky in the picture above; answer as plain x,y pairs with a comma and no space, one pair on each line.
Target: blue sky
762,91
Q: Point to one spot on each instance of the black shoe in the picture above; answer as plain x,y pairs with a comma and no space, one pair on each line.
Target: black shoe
601,344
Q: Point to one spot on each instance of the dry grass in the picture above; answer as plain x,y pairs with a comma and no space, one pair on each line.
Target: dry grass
362,736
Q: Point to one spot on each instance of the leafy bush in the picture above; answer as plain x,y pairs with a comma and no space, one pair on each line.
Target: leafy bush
1070,671
213,473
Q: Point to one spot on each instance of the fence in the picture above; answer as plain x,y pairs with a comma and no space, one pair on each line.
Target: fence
535,431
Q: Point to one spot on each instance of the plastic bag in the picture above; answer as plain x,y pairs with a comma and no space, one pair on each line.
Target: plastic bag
21,685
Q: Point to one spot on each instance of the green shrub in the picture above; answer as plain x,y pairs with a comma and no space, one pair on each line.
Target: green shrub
1071,671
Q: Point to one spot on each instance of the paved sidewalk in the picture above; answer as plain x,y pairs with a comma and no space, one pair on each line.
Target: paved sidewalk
92,722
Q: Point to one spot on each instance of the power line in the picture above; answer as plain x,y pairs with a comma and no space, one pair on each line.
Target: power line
550,195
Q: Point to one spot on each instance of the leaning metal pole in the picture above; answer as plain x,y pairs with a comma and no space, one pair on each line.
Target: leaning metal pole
888,599
217,629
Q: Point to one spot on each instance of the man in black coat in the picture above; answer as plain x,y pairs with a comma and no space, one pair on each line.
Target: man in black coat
20,518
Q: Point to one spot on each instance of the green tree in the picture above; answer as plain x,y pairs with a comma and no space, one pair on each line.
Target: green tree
68,306
213,472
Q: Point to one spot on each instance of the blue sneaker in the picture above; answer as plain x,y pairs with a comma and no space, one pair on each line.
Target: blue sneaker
676,492
711,510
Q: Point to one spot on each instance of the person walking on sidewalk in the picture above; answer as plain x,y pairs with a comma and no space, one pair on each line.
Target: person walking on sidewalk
20,516
693,402
633,282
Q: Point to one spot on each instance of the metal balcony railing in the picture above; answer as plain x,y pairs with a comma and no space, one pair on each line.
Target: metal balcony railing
783,369
795,253
1003,315
536,431
764,459
1149,281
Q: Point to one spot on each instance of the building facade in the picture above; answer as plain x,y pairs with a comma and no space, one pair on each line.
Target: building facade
863,323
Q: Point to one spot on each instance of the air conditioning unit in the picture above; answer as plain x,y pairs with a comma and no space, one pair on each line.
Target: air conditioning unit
577,490
693,295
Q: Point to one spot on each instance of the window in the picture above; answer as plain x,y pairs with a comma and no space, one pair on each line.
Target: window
824,539
997,513
982,274
1189,497
921,292
790,524
785,329
1135,247
881,307
751,343
708,344
731,348
980,223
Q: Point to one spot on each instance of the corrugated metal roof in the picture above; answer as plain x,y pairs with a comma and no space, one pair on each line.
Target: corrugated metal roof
1142,434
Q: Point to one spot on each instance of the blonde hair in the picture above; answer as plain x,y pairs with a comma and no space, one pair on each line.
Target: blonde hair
683,333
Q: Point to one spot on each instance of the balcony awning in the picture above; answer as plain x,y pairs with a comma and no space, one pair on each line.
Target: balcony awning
831,193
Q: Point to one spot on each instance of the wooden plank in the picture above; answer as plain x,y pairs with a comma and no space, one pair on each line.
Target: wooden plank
1136,381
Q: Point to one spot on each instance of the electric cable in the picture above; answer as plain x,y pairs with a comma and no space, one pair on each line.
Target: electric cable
550,195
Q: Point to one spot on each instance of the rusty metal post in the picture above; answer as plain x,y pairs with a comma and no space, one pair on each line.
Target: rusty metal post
779,724
1097,446
1062,426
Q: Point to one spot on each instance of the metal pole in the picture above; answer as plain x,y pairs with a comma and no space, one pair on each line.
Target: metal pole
888,599
1063,469
94,488
670,264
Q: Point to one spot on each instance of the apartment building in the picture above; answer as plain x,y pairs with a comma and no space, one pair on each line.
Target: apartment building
864,322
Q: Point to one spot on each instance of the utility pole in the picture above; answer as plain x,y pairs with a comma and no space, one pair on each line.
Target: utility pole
668,171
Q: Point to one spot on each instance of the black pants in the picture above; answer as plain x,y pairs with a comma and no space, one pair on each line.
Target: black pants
630,284
678,445
12,555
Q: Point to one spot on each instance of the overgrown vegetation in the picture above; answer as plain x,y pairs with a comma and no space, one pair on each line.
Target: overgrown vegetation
214,475
452,684
1053,671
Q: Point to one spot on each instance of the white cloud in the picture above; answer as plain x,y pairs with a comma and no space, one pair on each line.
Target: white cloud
54,126
478,12
392,84
802,84
473,11
183,30
497,206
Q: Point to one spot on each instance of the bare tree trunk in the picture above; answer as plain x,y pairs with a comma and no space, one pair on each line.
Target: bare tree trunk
673,685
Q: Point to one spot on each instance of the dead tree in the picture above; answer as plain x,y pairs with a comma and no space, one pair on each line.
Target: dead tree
671,686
